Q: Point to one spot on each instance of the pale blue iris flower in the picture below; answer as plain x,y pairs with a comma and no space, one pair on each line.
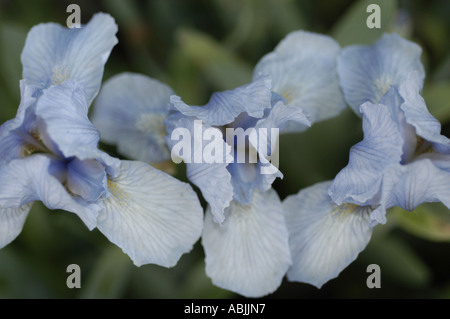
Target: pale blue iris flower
245,236
403,161
394,80
49,153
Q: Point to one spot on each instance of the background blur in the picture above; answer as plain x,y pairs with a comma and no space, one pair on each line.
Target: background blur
198,47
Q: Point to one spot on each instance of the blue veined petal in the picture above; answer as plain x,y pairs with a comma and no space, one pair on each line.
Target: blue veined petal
324,238
214,181
224,107
248,177
129,111
243,179
39,177
65,126
393,100
152,216
15,134
249,252
267,129
440,160
64,111
87,179
303,71
360,181
263,140
366,73
11,223
417,114
418,182
54,54
213,178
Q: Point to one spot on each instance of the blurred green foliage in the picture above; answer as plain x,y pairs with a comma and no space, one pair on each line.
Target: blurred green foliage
199,47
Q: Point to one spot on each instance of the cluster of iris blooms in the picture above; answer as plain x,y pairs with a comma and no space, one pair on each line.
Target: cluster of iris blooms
251,239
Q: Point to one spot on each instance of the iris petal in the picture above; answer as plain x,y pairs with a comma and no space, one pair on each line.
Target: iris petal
11,223
66,128
132,107
366,73
323,237
87,179
15,134
54,54
152,216
249,252
417,114
360,181
213,179
40,177
418,182
303,71
224,107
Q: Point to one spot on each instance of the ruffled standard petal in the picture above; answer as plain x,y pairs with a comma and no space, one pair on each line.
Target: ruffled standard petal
211,177
360,181
64,111
261,168
11,223
417,114
324,238
65,127
265,135
132,107
393,100
268,128
54,54
263,139
418,182
152,216
214,181
224,107
249,252
38,178
366,73
303,71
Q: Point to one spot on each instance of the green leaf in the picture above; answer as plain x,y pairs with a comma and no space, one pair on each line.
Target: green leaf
12,40
430,221
221,67
286,16
397,261
443,70
21,276
109,277
437,98
184,78
352,27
